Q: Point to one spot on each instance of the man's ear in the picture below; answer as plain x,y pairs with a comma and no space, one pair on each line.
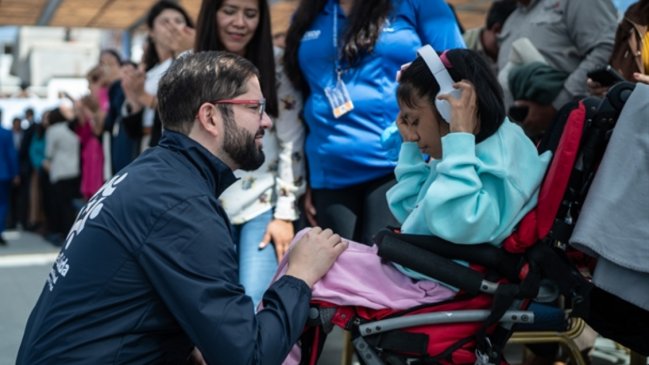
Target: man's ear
209,119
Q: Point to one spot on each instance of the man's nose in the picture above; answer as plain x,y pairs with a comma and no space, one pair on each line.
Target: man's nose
266,122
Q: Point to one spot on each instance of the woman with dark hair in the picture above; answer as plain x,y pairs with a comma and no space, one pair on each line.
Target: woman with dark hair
483,174
344,55
170,33
261,204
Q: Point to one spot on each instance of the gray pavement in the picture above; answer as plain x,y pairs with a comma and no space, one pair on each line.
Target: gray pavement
24,264
26,261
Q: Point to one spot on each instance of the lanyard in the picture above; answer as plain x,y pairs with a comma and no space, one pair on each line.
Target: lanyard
337,68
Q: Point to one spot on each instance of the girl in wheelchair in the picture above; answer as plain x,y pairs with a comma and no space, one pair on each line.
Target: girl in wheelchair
468,176
465,173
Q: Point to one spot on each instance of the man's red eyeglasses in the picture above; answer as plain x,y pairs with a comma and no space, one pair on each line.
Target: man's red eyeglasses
260,104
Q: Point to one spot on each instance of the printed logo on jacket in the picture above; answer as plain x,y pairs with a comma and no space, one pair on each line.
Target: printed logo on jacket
90,211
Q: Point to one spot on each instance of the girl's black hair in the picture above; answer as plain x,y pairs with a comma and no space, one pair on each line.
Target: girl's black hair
366,19
418,81
151,57
259,51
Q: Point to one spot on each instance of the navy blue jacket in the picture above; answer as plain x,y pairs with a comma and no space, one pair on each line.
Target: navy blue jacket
149,270
8,156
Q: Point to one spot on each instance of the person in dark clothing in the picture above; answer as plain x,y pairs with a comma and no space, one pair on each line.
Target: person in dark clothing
124,138
149,271
25,171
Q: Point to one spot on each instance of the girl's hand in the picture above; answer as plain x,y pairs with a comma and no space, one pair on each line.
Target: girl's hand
464,110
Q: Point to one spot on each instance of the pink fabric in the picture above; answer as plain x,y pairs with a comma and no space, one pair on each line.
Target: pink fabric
104,101
92,161
361,278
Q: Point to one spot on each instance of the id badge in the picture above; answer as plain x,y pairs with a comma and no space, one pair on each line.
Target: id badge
339,99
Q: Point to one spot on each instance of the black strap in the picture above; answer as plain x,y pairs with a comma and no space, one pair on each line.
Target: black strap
399,341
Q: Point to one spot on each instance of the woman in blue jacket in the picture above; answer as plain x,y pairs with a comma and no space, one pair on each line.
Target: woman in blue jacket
344,55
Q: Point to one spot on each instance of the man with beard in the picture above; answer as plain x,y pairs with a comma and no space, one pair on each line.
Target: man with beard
148,271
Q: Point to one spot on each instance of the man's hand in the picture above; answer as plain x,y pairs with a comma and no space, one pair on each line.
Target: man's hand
313,255
539,118
280,233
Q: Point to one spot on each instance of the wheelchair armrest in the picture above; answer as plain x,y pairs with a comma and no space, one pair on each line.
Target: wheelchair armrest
433,265
485,254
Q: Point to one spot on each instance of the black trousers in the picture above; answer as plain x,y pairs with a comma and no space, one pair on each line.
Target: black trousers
65,191
356,212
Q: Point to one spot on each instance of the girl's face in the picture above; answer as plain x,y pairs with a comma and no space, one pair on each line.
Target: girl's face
421,124
236,22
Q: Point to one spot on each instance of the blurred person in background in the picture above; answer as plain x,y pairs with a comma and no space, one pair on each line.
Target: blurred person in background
261,204
121,145
484,40
573,37
90,114
344,56
40,185
8,175
630,56
280,19
171,31
18,216
62,164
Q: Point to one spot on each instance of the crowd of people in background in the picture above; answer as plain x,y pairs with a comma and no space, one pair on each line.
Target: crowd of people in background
327,73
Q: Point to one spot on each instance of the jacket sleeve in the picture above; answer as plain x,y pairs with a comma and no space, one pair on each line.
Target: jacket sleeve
290,182
591,26
436,24
190,260
411,173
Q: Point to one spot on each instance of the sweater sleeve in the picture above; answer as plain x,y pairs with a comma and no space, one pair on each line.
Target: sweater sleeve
591,26
411,173
194,271
290,182
467,202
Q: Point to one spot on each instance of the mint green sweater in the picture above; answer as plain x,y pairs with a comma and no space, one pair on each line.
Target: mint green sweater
474,194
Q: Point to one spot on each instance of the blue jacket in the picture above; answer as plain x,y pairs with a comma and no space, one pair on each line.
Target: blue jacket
347,151
8,156
149,270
